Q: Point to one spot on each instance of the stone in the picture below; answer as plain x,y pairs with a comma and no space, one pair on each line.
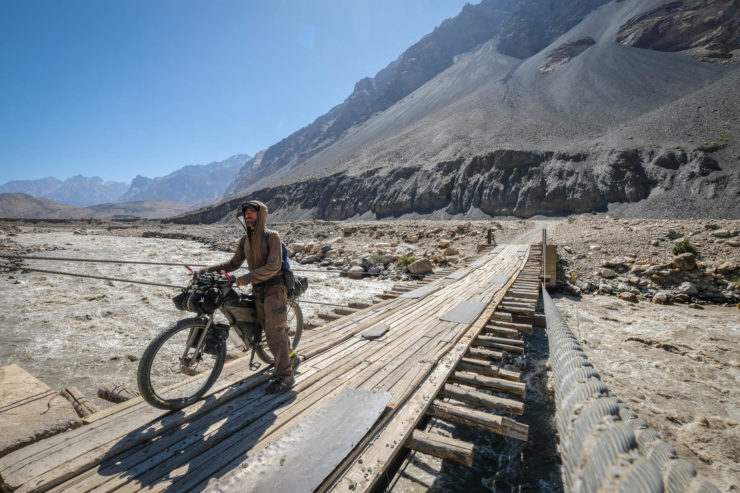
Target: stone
617,262
607,273
721,233
421,266
685,261
311,259
605,288
356,272
444,243
654,243
451,252
595,247
627,296
688,288
375,270
733,243
661,298
727,267
412,239
394,244
568,249
298,247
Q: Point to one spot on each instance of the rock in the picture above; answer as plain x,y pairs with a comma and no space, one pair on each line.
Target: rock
685,261
325,248
451,252
721,233
607,273
356,272
727,267
662,298
360,262
617,262
733,243
444,243
376,270
422,266
394,244
654,243
349,230
627,296
311,259
688,288
605,288
412,239
298,247
382,245
568,249
595,247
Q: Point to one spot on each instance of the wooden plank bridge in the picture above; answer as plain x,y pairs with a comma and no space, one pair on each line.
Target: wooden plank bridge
434,349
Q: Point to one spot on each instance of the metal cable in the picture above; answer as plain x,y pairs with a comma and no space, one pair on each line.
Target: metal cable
90,276
144,262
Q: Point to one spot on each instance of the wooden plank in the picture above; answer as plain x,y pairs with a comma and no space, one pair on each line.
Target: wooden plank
502,340
479,419
481,399
483,368
311,449
490,383
446,448
380,451
464,312
421,292
496,345
484,354
500,331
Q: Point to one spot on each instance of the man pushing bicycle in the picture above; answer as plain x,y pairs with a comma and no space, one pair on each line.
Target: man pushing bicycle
262,250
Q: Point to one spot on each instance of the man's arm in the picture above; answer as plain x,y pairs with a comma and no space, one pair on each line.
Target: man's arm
236,261
273,265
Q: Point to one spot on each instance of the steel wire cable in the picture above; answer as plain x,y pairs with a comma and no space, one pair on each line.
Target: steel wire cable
146,262
103,278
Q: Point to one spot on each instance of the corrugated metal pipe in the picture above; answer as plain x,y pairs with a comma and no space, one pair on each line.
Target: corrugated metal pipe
604,446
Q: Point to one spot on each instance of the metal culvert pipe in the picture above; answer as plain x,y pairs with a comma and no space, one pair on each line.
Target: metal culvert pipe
604,446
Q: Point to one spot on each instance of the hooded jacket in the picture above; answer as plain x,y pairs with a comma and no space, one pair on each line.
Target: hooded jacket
264,259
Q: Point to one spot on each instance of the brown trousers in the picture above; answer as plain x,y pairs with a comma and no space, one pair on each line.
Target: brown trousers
272,312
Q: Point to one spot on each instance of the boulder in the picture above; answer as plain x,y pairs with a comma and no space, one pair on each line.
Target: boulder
721,233
685,261
627,296
356,272
451,251
727,267
688,288
733,243
422,266
311,259
661,298
412,239
607,273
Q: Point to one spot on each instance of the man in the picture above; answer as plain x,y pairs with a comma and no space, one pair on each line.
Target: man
263,254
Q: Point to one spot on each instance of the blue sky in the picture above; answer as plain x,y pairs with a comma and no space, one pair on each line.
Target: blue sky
116,88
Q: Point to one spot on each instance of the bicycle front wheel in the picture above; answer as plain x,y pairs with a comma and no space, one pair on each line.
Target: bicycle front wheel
170,375
295,330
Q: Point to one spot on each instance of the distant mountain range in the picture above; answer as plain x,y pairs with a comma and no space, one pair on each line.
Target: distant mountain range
524,107
21,205
190,186
79,190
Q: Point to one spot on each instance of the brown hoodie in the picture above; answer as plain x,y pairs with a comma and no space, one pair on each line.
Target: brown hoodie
264,259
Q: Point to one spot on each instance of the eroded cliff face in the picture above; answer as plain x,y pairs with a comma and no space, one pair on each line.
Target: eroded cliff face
504,182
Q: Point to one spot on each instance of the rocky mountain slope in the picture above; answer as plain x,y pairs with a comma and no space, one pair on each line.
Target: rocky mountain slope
79,190
565,107
189,185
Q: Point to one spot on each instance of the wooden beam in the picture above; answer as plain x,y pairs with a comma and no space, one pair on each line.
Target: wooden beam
490,383
481,399
479,419
484,368
484,342
440,446
485,354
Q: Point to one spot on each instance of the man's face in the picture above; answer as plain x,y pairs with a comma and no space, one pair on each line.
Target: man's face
250,217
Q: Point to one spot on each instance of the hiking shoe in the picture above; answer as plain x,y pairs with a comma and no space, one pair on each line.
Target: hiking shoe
278,385
295,360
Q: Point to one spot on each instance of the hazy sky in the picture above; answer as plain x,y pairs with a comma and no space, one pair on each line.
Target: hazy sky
116,88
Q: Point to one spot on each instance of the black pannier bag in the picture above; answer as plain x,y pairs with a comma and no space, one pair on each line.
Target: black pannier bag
198,299
300,285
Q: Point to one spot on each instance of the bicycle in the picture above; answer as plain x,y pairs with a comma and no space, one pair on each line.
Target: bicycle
184,360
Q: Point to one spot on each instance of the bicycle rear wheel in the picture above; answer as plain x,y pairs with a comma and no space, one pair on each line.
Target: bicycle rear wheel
169,374
295,330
